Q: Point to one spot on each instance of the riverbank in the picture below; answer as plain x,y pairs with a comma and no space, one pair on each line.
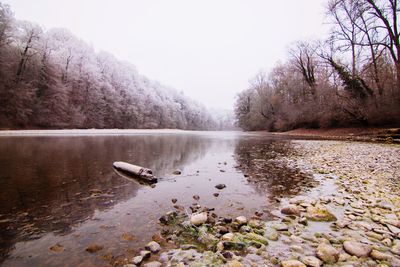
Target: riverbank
352,218
370,134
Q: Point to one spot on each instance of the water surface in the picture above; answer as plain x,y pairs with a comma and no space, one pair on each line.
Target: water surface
59,188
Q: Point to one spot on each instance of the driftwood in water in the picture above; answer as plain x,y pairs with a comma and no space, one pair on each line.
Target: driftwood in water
135,171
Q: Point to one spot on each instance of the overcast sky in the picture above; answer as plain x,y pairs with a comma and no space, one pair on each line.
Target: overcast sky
207,48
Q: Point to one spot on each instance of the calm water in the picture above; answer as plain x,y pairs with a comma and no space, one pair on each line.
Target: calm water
62,189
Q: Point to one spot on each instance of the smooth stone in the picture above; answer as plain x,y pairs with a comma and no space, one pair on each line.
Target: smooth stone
241,220
271,234
292,263
377,255
375,235
291,210
137,260
177,172
163,257
153,247
357,249
235,263
327,253
153,264
395,249
198,218
395,230
296,248
311,261
145,254
222,230
320,213
227,237
280,227
220,186
297,200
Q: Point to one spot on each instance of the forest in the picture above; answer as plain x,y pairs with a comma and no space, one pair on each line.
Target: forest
52,79
350,78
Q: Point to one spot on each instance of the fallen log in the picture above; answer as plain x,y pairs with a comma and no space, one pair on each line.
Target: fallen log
142,173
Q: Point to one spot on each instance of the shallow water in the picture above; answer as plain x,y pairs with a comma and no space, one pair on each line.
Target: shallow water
61,189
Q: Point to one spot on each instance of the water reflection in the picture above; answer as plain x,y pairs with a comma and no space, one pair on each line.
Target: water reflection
268,166
64,191
51,184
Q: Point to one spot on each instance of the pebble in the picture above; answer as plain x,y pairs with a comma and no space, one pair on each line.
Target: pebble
220,186
198,218
145,254
311,261
327,253
291,210
320,213
153,247
235,263
137,260
292,263
357,249
241,220
377,255
153,264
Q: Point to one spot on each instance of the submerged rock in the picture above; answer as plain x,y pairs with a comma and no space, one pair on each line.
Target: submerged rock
94,248
220,186
57,248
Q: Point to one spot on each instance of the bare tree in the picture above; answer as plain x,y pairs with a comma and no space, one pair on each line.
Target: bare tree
304,55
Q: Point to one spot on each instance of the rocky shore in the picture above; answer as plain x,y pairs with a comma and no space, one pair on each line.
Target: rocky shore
352,218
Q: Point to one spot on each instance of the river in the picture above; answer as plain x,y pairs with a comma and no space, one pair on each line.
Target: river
59,189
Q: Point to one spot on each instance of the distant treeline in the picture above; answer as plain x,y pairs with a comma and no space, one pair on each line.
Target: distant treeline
52,79
352,78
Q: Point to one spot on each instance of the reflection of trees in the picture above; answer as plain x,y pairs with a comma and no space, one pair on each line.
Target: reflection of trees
268,167
50,184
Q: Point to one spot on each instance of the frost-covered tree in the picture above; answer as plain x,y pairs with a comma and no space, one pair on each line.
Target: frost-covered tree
52,79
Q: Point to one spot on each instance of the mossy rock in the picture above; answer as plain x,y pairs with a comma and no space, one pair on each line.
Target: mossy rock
257,238
320,213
